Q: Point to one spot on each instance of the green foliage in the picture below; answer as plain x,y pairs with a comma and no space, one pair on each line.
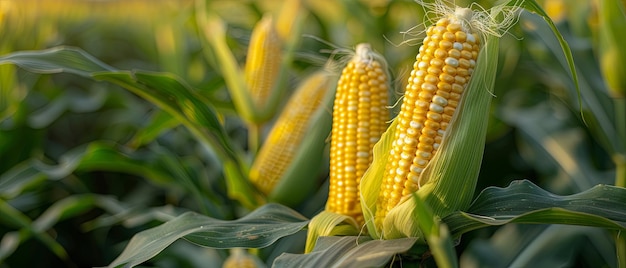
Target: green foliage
126,139
258,229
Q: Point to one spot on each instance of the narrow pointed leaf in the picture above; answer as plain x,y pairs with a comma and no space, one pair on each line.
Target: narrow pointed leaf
533,7
177,99
56,60
436,234
162,89
258,229
523,202
347,251
15,218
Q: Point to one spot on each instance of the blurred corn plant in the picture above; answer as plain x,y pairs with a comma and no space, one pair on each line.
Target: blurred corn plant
210,121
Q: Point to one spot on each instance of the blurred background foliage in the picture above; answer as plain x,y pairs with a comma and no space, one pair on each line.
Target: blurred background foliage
82,215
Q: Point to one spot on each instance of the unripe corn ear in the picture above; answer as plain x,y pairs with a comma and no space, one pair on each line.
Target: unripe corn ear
263,62
440,74
288,159
360,116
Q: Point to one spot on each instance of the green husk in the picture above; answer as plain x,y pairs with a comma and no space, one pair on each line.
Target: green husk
328,223
373,178
299,178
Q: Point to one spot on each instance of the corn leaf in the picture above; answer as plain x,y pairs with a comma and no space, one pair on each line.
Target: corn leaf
155,164
239,188
347,251
63,209
158,123
258,229
62,59
162,89
533,7
177,99
437,235
14,218
523,202
94,156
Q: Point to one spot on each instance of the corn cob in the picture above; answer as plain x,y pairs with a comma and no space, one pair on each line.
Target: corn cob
289,131
263,61
359,119
440,74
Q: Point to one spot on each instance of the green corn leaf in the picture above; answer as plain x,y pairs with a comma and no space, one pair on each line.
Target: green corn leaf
156,164
523,202
177,99
436,234
10,241
57,60
533,7
347,251
162,89
240,189
258,229
64,209
158,123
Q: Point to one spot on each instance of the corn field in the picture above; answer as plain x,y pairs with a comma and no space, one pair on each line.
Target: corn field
312,133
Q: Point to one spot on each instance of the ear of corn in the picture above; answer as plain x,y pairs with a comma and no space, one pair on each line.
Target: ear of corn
287,163
453,171
440,74
360,117
257,96
263,61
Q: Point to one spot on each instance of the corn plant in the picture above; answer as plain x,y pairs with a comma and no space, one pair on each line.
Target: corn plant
248,146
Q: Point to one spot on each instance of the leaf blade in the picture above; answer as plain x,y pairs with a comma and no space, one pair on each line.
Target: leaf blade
260,228
524,202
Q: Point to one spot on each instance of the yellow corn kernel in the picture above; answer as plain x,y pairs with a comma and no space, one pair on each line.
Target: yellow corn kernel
263,61
288,132
440,74
360,117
